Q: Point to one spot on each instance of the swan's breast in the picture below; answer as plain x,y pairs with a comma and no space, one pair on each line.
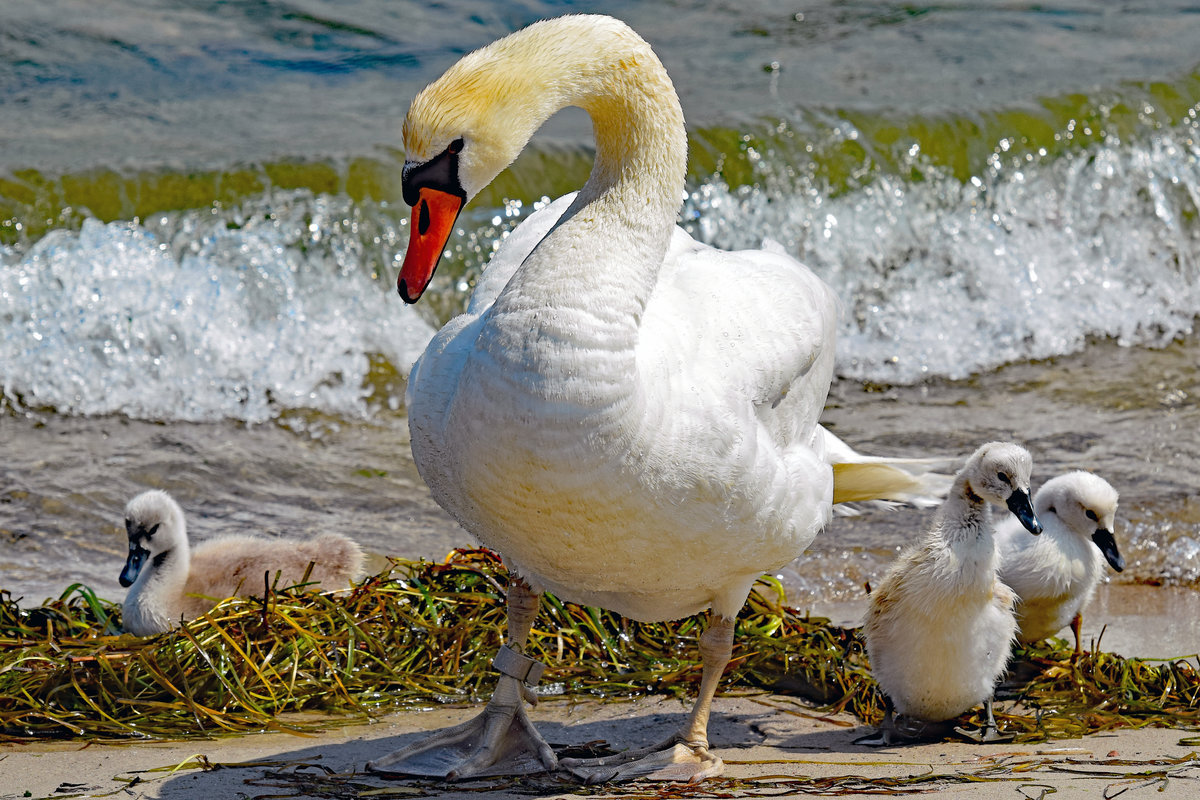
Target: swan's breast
590,495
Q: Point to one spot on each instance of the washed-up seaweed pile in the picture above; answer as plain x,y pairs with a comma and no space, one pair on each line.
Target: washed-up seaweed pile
422,632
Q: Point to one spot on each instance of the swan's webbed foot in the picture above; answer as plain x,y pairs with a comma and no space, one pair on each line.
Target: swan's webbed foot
500,741
684,756
672,760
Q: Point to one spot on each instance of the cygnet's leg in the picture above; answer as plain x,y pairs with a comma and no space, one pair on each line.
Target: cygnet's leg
684,756
990,732
1076,624
501,740
889,733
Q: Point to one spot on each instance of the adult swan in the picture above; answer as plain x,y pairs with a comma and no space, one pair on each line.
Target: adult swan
628,416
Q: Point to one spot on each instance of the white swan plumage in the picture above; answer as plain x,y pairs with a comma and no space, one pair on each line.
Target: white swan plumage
628,416
1055,575
939,626
169,580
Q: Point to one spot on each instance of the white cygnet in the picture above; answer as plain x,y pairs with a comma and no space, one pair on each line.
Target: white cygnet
1055,575
169,581
940,625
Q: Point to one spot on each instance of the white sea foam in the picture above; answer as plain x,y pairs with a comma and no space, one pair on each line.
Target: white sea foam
285,303
944,278
207,316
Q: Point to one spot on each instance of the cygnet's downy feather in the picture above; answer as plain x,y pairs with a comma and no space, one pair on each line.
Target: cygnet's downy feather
940,625
1055,575
169,581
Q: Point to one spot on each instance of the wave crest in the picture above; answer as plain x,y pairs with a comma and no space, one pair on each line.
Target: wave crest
206,315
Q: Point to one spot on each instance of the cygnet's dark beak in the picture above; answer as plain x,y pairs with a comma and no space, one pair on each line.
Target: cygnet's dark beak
1022,509
133,565
1107,543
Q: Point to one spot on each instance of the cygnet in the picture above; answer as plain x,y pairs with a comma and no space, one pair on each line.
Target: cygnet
169,581
940,625
1055,575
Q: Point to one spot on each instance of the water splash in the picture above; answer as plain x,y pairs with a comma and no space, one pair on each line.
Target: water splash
1025,260
284,301
207,315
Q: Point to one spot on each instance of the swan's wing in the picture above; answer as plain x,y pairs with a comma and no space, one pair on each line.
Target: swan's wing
872,481
751,333
739,339
513,251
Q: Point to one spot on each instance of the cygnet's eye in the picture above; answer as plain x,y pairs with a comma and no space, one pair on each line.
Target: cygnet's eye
1004,477
1092,515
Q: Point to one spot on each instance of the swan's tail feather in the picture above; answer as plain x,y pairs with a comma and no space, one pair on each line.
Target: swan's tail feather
885,482
888,482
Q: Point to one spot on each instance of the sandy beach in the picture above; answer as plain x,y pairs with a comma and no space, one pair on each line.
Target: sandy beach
772,746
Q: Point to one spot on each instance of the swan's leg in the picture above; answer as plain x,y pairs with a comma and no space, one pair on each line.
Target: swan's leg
684,756
501,740
1076,624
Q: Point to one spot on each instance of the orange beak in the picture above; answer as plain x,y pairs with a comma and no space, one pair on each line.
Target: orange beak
432,220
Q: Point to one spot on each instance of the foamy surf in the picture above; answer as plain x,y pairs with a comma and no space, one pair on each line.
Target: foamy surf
1027,260
236,315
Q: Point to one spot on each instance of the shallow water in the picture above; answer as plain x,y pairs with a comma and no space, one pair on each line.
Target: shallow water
200,224
70,476
139,83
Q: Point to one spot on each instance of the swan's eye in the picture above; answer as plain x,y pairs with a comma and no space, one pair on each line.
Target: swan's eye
1004,477
1092,515
455,147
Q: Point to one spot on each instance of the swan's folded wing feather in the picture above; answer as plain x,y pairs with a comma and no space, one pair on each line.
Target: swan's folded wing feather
882,481
747,330
513,251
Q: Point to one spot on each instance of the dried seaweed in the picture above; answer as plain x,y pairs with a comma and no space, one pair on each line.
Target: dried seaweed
1111,776
420,633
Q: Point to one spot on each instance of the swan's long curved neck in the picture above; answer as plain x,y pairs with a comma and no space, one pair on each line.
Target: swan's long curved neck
587,283
575,306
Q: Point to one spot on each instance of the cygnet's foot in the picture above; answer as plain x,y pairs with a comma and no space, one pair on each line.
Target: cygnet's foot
884,737
899,730
988,734
500,741
990,731
673,760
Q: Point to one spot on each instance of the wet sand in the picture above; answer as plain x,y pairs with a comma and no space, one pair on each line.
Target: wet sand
782,745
